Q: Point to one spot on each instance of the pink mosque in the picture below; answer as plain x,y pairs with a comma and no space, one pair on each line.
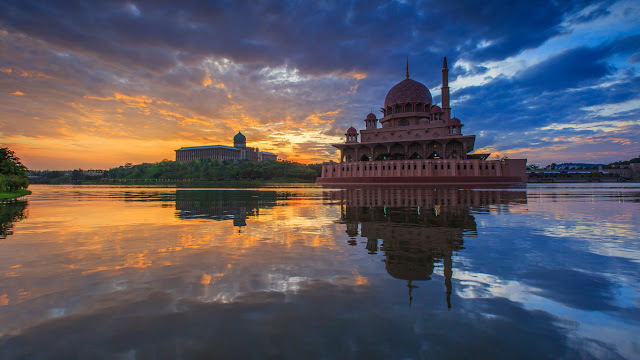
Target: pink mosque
417,142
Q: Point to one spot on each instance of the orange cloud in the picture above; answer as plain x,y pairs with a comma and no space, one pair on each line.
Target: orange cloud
355,75
17,93
207,80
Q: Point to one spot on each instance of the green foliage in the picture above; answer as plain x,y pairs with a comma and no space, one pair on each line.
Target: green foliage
15,194
13,174
212,170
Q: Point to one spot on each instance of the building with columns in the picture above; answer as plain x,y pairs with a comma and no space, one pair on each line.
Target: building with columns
239,151
416,141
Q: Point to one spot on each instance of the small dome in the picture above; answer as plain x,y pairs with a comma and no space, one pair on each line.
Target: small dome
352,130
371,116
239,138
407,91
436,109
454,121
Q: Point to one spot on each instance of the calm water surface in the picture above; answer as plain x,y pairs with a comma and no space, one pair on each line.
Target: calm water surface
550,271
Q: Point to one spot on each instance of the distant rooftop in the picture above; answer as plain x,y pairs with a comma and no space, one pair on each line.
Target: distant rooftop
268,153
209,147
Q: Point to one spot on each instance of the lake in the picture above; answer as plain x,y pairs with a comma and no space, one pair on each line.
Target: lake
548,271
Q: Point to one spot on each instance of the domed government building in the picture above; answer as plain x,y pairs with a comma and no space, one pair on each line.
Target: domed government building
239,151
416,142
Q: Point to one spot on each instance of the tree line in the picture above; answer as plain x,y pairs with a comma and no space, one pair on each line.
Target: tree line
213,170
196,170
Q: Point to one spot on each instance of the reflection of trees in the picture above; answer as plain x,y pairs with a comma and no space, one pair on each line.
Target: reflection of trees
234,205
418,227
11,212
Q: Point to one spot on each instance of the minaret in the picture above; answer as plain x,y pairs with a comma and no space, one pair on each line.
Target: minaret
445,90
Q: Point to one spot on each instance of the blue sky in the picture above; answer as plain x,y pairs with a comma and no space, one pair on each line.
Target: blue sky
98,84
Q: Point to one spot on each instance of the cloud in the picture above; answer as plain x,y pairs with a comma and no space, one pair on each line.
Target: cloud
275,66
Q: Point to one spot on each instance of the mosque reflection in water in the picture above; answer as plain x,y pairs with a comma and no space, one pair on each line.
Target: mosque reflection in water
236,205
417,228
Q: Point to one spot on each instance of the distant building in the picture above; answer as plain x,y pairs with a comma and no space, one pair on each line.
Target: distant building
239,151
93,172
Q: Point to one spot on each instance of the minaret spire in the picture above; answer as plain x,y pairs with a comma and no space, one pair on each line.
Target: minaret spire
407,67
445,90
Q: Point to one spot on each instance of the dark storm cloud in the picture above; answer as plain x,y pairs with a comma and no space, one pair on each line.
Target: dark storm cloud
316,37
570,69
541,94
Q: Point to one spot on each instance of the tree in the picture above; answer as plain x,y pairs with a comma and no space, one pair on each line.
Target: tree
77,176
10,164
13,174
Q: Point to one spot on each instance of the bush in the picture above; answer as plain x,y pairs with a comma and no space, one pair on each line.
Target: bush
12,183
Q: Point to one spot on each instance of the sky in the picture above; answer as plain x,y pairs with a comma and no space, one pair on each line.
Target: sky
98,84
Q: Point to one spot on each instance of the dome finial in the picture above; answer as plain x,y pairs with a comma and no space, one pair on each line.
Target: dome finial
407,67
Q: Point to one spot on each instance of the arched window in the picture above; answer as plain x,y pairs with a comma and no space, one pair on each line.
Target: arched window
389,110
403,122
408,108
398,109
418,108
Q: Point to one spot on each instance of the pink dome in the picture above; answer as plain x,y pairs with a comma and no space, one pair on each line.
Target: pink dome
407,91
435,109
352,130
371,116
454,121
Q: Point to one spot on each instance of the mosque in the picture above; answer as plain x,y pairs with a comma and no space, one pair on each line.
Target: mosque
416,142
239,151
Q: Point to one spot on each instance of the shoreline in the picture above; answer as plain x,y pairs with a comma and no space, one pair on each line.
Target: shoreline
14,195
186,183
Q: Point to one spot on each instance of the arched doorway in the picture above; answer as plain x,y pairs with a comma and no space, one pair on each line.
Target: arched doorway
433,150
397,152
349,154
455,150
380,152
415,151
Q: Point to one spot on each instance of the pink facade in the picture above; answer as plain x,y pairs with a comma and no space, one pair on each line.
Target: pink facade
416,142
470,171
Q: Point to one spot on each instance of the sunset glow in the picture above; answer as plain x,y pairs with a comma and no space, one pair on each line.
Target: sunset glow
103,84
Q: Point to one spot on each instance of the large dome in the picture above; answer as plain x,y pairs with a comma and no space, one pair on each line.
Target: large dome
407,91
239,138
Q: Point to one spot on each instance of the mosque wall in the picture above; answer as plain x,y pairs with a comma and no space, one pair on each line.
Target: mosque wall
423,171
